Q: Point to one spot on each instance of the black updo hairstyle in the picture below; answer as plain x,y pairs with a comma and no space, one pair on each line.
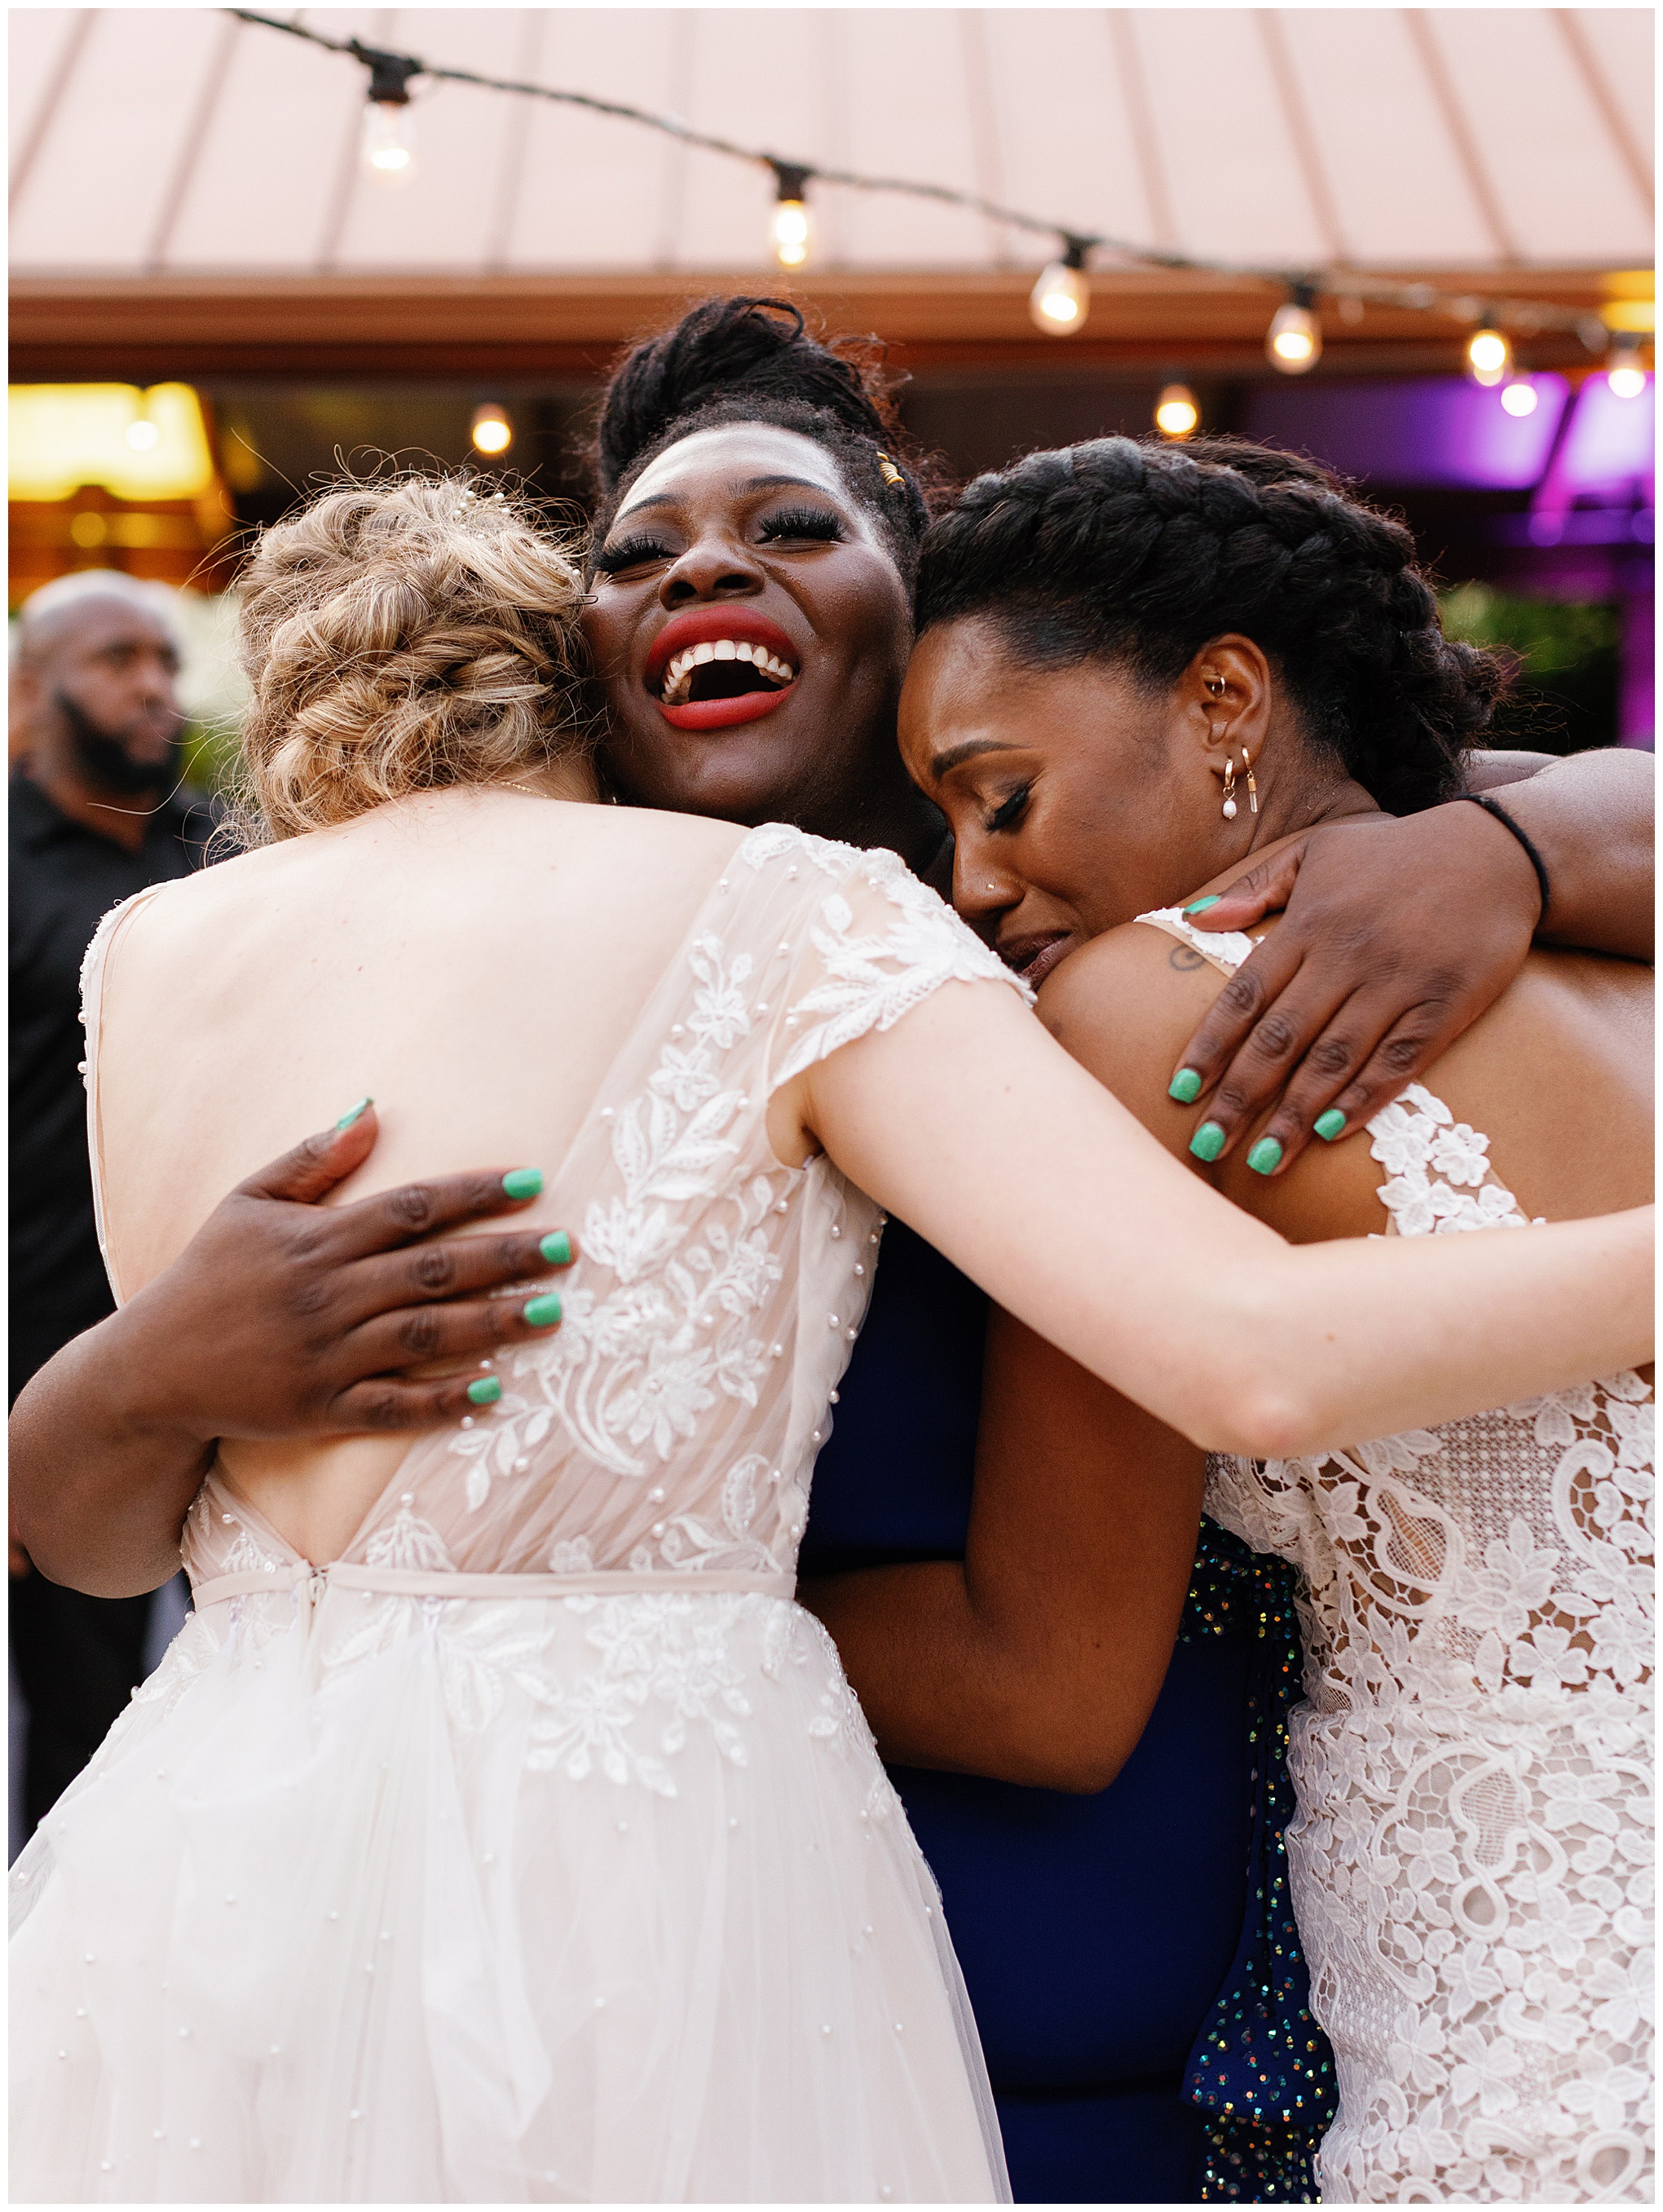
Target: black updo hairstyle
755,361
1140,554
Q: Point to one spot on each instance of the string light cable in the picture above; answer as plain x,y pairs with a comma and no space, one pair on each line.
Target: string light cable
1063,283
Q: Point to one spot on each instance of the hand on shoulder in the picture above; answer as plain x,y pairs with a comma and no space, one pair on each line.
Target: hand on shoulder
1124,1006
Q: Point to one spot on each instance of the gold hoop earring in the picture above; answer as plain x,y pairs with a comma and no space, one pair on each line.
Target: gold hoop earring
1229,787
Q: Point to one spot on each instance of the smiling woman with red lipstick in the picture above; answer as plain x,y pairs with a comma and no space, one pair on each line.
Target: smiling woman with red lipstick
750,621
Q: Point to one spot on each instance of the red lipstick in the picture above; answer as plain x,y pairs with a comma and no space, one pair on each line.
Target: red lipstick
703,626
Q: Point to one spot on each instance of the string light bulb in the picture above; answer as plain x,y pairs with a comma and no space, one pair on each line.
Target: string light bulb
1294,341
1518,397
492,432
1625,372
389,140
790,231
1060,301
1488,355
143,435
1176,414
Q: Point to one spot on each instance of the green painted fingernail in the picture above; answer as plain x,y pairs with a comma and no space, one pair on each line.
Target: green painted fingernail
1208,1141
485,1392
557,1249
542,1313
523,1183
1329,1125
1266,1156
1185,1086
1200,906
352,1112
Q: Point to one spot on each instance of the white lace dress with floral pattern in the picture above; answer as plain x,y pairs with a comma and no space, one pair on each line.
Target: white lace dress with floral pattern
1472,1858
589,1888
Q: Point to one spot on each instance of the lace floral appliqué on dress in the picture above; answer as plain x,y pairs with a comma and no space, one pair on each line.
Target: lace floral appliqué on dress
1471,1856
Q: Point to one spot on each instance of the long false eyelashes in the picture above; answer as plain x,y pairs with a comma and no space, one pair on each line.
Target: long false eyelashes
815,523
631,553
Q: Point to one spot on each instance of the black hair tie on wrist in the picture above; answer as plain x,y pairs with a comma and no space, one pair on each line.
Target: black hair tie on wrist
1501,814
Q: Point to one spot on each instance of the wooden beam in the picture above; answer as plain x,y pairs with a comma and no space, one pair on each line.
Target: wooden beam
77,328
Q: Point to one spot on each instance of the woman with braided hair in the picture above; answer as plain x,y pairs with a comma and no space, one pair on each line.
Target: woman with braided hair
1139,669
750,618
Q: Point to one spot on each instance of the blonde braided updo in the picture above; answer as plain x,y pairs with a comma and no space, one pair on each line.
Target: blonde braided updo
402,636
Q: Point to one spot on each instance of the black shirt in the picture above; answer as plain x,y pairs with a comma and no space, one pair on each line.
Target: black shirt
65,879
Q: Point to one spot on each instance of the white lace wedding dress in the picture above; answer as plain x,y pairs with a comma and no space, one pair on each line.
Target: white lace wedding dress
1472,1859
537,1849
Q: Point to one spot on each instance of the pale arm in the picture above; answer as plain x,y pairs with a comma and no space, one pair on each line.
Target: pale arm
971,1124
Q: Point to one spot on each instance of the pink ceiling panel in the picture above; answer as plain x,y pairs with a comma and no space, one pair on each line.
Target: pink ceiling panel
1237,189
911,110
1398,188
595,193
1565,193
753,80
103,174
1067,136
39,43
1621,43
266,184
441,216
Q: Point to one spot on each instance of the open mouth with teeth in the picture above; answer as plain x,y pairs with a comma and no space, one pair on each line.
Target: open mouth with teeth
712,667
724,668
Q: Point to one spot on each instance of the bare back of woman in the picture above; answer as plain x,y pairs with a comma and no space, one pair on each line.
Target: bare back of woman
533,976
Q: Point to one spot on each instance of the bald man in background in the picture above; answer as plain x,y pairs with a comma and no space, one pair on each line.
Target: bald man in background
99,810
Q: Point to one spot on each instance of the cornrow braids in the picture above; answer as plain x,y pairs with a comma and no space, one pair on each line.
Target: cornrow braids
744,359
1120,550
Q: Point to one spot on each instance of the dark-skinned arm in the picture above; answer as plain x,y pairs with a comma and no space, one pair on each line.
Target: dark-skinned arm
1040,1658
281,1317
1399,933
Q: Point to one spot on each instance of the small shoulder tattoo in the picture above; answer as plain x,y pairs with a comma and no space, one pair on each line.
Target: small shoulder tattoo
1186,959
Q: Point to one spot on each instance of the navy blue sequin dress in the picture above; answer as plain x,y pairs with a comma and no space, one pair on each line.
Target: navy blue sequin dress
1132,1957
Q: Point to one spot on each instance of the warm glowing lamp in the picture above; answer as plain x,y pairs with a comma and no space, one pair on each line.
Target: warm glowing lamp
1519,398
389,140
1175,411
491,431
138,446
1625,372
1061,300
790,232
1488,355
1294,341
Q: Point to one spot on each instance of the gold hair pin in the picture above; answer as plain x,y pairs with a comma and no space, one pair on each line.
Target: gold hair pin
886,469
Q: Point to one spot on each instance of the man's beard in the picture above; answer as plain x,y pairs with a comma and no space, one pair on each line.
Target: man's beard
105,761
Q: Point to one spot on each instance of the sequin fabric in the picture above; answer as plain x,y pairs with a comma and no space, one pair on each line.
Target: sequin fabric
1261,2069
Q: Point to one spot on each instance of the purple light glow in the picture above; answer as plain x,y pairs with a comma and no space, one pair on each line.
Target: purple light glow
1608,453
1432,431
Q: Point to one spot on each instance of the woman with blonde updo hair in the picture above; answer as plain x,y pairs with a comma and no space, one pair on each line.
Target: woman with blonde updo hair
400,637
500,1829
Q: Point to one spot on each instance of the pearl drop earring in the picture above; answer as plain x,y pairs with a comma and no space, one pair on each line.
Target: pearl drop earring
1229,787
